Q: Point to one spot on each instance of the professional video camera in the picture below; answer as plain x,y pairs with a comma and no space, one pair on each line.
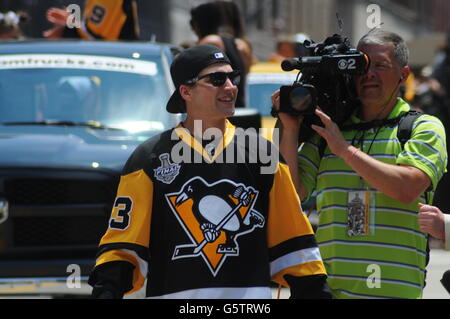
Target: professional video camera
325,80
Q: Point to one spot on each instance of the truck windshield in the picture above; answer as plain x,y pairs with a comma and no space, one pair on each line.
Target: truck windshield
108,91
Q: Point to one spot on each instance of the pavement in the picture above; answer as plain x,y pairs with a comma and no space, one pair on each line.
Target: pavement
439,263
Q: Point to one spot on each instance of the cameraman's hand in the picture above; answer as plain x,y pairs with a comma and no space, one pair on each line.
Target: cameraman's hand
288,143
331,133
289,122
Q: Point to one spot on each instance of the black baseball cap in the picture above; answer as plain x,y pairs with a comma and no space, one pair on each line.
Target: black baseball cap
187,65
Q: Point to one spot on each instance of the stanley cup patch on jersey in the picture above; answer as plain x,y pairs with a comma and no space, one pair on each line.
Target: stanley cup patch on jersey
214,216
167,172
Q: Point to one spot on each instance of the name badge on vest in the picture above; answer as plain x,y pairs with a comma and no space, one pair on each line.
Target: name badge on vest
360,213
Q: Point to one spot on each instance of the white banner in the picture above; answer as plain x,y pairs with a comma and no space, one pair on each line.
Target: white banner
77,61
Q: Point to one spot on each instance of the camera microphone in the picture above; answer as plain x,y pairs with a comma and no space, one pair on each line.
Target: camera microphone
290,64
445,281
301,63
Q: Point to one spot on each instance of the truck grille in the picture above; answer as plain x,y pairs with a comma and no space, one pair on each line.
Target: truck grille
56,191
58,231
55,213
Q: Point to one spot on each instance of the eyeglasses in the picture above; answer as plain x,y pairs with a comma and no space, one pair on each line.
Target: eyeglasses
218,78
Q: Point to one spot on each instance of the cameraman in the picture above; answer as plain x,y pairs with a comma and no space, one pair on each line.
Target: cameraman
378,252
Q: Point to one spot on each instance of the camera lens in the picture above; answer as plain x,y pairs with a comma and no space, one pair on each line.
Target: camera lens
301,99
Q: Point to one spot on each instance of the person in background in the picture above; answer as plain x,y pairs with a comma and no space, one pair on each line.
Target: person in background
219,23
10,25
429,96
285,48
290,47
234,26
76,98
101,20
440,71
300,40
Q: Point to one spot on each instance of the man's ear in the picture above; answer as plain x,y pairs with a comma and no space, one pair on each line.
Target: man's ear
185,92
406,70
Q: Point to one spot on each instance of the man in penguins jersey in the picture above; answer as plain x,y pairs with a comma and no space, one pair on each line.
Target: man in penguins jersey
209,228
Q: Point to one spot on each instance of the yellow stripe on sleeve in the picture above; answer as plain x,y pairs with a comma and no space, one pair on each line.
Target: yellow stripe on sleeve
315,267
131,215
140,270
286,218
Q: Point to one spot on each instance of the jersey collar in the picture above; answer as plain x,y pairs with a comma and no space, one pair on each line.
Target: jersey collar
195,144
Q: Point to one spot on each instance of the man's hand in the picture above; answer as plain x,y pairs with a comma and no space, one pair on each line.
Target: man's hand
331,133
288,121
431,221
58,18
289,131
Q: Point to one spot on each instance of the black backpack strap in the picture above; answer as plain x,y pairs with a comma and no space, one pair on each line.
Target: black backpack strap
404,132
405,126
322,146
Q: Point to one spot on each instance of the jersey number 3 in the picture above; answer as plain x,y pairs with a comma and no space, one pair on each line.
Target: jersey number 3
120,218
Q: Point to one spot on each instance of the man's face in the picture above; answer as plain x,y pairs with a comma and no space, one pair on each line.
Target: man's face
207,101
381,82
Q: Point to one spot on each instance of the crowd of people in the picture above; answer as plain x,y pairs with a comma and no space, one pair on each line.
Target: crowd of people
374,195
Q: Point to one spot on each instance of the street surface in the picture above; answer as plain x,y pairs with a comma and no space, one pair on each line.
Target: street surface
439,263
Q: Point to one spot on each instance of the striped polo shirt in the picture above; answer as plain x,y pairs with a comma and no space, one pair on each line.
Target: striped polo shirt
390,261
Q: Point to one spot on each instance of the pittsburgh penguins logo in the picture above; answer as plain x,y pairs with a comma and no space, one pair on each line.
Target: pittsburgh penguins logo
214,216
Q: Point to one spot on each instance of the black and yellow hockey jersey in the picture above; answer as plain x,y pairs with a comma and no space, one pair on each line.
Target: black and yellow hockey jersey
212,226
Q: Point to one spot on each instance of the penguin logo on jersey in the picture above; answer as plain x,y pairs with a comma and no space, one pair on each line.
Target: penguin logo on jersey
167,172
214,216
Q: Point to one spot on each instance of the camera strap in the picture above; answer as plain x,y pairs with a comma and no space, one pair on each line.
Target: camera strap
369,125
405,123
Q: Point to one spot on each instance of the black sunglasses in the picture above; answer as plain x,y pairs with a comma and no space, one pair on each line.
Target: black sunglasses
218,78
